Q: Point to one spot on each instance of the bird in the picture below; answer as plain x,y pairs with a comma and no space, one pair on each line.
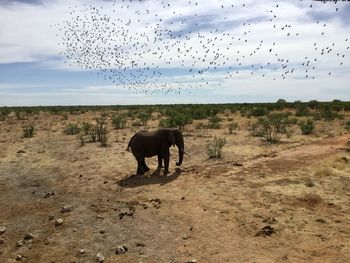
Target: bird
132,44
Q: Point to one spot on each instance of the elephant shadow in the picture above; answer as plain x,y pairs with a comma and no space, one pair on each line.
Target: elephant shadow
154,178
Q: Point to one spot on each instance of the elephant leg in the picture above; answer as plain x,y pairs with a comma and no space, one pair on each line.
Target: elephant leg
140,170
166,164
144,166
159,161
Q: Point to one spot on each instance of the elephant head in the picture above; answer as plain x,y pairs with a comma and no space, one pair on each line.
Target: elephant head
176,138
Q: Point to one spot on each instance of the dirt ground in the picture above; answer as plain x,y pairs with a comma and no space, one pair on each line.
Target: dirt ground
286,202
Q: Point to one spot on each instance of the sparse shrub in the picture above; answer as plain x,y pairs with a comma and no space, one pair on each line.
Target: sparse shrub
119,121
143,117
302,111
101,130
292,121
328,114
307,127
214,122
309,182
214,147
19,115
347,125
28,131
2,116
177,120
348,146
233,127
96,132
86,126
92,133
64,115
317,116
273,126
255,130
71,129
258,112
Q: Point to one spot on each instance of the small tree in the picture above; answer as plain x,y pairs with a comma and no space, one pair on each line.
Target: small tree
214,147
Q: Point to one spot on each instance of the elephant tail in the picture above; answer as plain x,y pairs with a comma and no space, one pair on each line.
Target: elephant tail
129,144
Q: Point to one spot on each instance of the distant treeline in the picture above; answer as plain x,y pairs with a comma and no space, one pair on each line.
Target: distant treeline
197,111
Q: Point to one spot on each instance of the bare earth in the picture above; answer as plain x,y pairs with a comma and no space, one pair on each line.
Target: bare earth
287,202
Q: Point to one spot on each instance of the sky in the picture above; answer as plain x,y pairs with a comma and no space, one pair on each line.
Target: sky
109,52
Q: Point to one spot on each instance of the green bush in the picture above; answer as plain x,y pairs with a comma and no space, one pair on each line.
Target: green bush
119,121
328,114
28,131
307,127
214,147
143,117
272,126
71,129
302,111
258,112
179,120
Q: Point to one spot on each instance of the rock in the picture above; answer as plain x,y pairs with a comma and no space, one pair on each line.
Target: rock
266,231
139,244
59,222
1,241
121,250
192,261
185,237
28,236
321,220
66,209
19,257
82,251
21,151
2,230
20,243
102,231
100,258
51,218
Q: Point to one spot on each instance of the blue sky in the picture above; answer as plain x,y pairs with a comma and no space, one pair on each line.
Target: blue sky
200,51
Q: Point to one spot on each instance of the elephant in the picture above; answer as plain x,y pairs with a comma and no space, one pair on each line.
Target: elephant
151,143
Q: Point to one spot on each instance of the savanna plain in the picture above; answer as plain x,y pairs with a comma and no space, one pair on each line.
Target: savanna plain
259,183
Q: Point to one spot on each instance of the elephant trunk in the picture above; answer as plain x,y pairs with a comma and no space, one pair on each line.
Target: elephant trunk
181,148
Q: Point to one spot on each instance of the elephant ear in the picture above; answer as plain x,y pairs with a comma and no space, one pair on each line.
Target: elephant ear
172,137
